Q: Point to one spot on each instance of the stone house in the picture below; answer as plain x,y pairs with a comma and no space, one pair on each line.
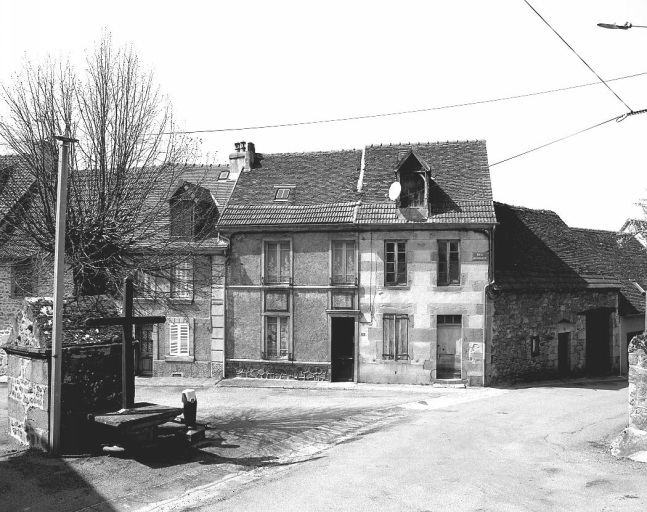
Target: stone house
563,300
327,278
187,343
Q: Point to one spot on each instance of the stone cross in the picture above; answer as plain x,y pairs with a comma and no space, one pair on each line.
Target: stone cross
127,356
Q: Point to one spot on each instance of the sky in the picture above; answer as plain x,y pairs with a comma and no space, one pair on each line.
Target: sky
247,64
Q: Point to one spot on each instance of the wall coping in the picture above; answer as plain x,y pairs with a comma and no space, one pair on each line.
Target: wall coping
46,353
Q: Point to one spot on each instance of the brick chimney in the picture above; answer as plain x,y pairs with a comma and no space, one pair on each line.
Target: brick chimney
243,159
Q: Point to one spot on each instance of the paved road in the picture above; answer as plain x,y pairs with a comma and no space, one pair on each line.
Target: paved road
534,449
251,429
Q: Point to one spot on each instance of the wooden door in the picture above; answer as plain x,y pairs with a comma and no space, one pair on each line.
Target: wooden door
449,347
144,334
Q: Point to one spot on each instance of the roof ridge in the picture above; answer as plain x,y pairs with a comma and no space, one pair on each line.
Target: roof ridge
526,208
320,152
422,143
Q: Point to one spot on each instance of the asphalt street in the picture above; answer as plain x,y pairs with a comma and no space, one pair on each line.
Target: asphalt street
251,429
537,448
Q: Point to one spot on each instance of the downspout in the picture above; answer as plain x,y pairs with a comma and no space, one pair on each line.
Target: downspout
490,235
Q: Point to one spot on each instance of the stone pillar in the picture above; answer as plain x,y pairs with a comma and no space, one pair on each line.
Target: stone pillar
633,439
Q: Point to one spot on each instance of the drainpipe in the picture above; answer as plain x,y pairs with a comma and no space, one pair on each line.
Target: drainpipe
490,235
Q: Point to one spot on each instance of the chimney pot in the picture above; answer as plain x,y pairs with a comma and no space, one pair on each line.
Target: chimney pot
237,146
242,145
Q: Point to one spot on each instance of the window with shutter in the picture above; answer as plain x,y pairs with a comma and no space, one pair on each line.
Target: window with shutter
396,337
179,339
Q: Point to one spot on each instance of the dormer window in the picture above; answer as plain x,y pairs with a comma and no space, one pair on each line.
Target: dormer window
413,190
192,212
413,174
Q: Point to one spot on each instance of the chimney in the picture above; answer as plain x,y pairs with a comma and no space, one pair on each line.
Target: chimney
243,159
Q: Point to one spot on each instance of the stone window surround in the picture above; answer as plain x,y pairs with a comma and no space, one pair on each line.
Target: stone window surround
406,271
447,242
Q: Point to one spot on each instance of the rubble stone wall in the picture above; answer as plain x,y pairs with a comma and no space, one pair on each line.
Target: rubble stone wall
517,317
633,439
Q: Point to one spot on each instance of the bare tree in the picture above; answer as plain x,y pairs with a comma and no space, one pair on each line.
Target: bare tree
126,166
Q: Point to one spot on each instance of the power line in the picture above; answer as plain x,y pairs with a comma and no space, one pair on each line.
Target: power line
616,118
404,112
579,56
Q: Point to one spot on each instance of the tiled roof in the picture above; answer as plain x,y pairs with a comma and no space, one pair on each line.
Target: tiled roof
320,177
459,169
460,212
535,249
281,214
17,183
460,190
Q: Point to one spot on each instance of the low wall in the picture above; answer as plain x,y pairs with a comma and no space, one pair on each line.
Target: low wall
91,382
633,439
288,370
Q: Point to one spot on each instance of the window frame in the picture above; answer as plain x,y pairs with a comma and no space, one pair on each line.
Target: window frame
23,272
345,274
176,290
398,349
224,175
396,273
278,319
448,279
184,325
281,279
186,229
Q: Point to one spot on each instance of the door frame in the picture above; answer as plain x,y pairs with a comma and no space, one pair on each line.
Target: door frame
345,314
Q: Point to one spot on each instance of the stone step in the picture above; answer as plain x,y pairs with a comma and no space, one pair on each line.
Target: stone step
449,383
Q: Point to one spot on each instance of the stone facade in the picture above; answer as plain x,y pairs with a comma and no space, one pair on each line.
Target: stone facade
422,300
518,317
633,439
203,312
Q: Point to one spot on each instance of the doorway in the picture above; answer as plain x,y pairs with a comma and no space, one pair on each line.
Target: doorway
449,347
342,348
144,350
598,348
563,354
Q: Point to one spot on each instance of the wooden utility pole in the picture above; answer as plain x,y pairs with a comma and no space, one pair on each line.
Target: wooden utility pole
59,288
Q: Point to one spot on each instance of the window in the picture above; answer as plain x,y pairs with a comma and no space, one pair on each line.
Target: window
144,285
282,194
190,219
343,262
179,339
396,337
277,262
396,264
449,269
182,281
534,346
223,175
182,218
276,337
23,278
413,190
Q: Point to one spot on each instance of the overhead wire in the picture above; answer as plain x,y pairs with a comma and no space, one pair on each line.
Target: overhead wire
403,112
578,55
615,118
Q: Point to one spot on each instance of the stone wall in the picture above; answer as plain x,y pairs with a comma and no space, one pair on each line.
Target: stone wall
278,370
633,439
91,368
517,317
91,382
422,299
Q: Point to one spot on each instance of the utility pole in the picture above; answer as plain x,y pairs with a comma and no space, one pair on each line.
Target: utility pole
59,281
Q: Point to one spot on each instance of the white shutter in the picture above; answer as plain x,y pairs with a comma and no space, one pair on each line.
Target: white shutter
184,339
174,339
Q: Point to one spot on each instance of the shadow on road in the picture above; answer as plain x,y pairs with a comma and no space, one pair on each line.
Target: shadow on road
30,480
606,383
